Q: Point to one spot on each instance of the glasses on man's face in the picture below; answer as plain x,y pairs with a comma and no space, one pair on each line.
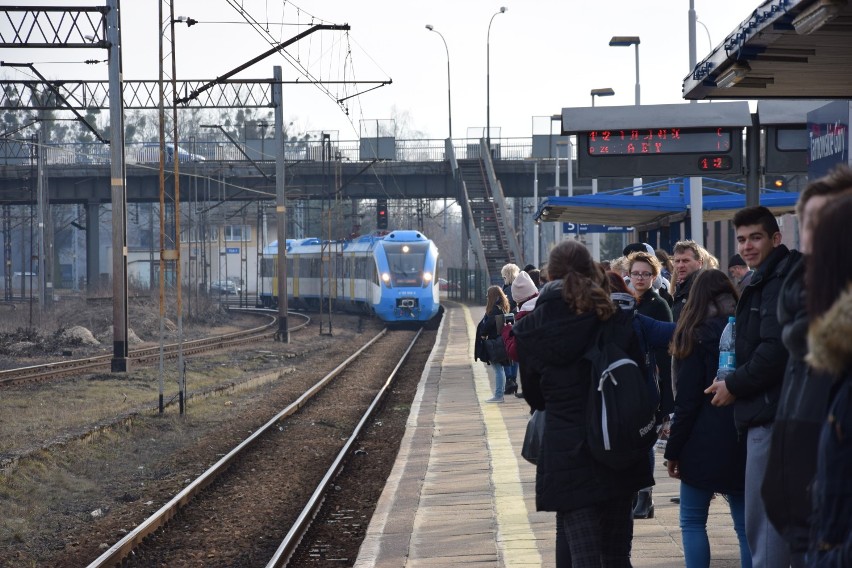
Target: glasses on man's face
642,275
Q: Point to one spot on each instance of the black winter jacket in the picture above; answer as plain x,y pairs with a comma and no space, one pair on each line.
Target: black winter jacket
681,295
513,306
551,341
801,412
490,326
761,357
831,352
703,437
652,305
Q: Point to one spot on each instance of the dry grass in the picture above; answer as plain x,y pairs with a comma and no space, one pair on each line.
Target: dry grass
57,412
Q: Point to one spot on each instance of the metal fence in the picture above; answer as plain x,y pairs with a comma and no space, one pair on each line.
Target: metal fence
466,285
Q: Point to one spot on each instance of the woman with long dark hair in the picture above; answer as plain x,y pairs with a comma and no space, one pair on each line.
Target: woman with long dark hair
593,503
828,281
496,304
704,450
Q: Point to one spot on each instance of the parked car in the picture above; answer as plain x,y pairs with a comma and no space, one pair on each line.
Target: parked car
444,285
225,288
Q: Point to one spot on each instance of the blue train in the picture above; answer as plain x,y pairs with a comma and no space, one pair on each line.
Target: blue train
392,275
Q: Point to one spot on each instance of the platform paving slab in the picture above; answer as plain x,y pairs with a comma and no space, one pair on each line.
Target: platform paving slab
461,494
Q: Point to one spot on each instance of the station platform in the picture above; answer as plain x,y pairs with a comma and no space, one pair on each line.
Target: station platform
460,493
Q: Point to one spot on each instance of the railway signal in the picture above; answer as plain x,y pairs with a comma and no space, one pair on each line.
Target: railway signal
382,214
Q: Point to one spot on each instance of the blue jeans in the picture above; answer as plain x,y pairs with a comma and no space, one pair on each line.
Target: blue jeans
694,505
499,380
511,369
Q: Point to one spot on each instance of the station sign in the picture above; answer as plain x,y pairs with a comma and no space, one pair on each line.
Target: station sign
232,250
658,151
828,137
584,228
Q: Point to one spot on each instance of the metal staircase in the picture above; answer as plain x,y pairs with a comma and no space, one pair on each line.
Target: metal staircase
493,236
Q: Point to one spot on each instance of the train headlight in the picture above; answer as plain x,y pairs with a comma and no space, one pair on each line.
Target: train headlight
405,248
427,276
386,278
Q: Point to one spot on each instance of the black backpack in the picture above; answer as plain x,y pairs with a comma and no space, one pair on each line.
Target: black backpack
620,415
480,353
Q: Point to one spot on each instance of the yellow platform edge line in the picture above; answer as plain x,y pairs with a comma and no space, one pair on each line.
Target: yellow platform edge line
515,536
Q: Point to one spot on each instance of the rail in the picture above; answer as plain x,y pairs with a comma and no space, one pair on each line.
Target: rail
294,536
123,547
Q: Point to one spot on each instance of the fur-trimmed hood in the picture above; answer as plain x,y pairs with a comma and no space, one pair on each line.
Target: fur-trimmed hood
829,346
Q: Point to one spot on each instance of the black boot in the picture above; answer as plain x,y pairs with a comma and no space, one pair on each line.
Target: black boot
644,508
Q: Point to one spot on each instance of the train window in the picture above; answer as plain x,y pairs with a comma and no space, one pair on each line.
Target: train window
267,267
406,262
360,267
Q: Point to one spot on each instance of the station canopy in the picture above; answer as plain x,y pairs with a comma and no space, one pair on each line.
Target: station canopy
783,49
650,205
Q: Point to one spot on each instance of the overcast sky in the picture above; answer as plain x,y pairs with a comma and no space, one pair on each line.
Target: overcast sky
545,55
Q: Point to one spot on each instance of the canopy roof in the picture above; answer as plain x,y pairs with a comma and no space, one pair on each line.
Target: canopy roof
783,49
652,204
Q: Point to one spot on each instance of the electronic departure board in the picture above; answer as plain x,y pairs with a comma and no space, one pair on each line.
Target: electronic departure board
658,141
659,151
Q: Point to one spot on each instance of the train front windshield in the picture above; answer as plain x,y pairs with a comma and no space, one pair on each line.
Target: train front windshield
406,262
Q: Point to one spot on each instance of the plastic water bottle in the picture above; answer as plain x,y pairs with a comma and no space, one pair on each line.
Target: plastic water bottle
727,351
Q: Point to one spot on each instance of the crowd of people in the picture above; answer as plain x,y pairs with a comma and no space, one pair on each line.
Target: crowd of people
772,437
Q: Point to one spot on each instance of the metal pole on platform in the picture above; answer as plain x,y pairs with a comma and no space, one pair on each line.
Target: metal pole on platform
536,237
596,237
696,209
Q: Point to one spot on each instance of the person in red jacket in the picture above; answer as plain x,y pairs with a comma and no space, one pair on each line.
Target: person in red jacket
526,293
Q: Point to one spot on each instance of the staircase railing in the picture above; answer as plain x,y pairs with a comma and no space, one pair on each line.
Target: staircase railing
478,249
506,227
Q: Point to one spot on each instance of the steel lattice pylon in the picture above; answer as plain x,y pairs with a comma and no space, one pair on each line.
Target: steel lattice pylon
138,94
45,26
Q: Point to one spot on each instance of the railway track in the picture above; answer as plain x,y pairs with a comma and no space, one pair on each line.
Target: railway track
147,355
239,478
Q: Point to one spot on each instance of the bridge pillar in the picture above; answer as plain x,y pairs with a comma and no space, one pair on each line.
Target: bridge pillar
93,258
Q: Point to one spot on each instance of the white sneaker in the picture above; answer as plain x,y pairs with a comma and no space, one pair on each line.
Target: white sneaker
495,399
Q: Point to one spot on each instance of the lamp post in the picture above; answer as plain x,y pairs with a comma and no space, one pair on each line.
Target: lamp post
449,91
488,79
625,41
605,92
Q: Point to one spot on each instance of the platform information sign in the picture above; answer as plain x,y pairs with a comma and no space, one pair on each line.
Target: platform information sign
583,228
661,150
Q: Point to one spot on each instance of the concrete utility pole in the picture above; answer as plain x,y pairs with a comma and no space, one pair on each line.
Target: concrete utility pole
120,361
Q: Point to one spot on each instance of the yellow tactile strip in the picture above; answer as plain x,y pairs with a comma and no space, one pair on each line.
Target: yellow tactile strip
517,542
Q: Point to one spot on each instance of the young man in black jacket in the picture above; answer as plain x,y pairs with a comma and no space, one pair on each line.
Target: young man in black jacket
755,386
804,393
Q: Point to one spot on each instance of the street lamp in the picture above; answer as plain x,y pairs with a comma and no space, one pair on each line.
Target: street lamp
605,92
488,79
449,91
626,41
